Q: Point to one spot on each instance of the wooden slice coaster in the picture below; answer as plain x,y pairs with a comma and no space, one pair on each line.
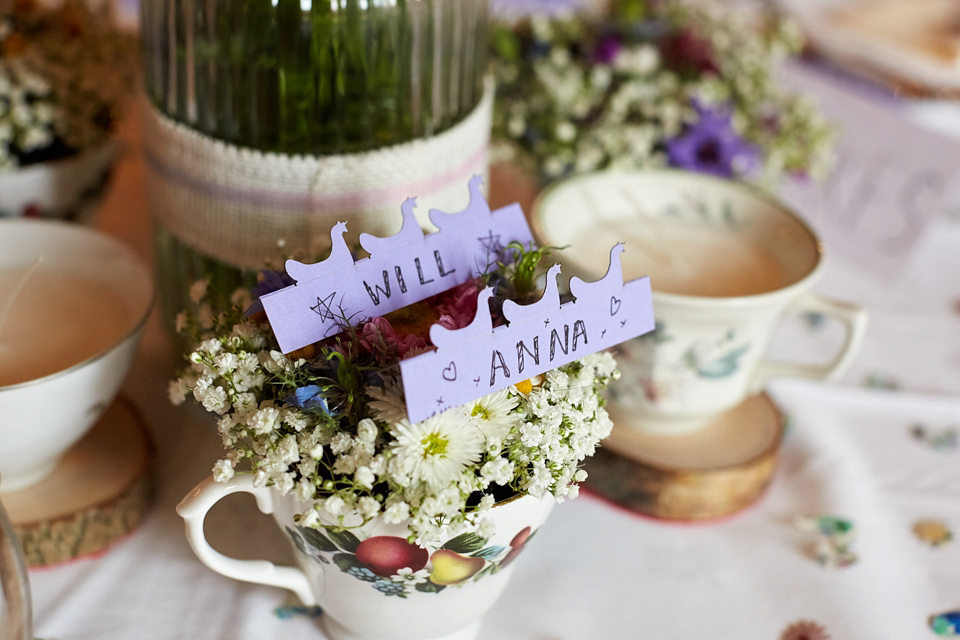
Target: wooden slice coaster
708,474
98,492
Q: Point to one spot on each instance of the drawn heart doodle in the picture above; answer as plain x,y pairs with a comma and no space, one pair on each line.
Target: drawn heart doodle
614,305
450,373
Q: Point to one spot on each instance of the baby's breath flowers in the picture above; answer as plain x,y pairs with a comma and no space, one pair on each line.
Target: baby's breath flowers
653,84
328,423
63,71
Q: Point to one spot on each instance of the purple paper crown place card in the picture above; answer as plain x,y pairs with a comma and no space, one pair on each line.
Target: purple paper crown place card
401,270
479,359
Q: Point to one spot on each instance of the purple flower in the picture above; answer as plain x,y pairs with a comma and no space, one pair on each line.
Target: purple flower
710,145
607,49
269,281
309,397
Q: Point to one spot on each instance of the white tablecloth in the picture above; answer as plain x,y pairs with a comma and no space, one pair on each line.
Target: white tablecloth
596,571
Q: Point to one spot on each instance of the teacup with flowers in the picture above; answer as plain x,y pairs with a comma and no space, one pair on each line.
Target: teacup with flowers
418,522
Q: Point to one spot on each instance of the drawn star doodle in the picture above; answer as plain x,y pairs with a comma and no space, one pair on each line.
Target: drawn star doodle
491,242
322,308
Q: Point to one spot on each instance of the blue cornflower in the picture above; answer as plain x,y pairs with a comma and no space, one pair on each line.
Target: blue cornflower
309,397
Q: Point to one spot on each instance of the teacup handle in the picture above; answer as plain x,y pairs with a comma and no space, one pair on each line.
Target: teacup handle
193,509
854,319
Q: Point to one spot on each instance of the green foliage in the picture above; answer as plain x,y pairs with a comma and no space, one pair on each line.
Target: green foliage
344,539
465,543
520,276
335,77
489,553
429,587
316,539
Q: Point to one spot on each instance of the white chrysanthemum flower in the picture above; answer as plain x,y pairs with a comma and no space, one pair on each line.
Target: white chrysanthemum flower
387,402
493,414
438,449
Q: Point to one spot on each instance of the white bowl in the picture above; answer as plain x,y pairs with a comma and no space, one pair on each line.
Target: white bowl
40,419
66,189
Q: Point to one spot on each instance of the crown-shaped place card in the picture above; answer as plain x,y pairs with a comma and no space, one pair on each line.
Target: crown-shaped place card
479,359
401,270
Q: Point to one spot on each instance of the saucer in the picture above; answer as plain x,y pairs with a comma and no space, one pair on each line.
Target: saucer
711,473
912,47
98,493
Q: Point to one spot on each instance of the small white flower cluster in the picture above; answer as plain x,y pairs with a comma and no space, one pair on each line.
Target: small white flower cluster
439,476
63,72
564,111
28,116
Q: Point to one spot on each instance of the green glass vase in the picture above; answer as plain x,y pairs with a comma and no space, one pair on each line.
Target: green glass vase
290,79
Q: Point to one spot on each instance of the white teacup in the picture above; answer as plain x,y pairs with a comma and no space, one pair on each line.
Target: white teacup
725,261
73,304
65,189
369,581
